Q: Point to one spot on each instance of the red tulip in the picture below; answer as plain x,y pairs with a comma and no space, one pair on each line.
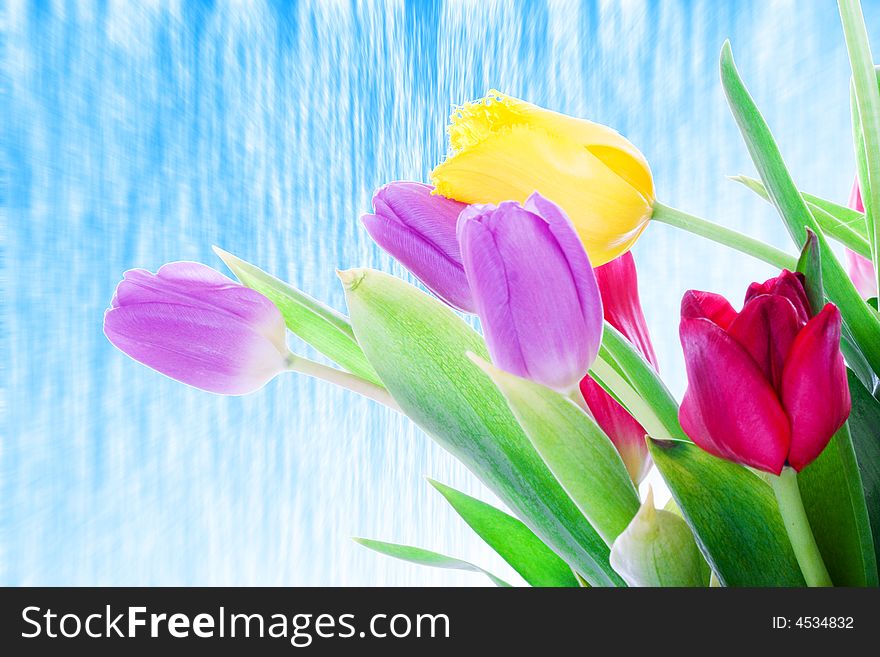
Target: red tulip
618,285
767,386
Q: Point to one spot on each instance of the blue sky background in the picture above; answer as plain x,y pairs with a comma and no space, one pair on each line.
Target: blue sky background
139,133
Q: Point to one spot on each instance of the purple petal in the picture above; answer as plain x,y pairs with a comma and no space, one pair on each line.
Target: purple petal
197,285
203,347
525,295
580,269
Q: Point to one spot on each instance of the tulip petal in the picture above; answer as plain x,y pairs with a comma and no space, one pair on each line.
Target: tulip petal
619,288
196,285
415,206
729,408
522,286
580,270
443,275
787,284
815,393
608,213
627,435
767,327
202,347
707,305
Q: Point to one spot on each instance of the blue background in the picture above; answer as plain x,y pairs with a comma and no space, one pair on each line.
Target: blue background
138,133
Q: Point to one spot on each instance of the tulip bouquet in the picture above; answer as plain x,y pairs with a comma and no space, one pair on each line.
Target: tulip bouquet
773,455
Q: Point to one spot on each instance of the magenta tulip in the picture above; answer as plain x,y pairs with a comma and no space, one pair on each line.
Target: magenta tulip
534,290
197,326
417,228
618,285
767,386
861,270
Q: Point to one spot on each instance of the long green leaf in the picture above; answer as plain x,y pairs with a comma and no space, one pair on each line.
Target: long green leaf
866,115
831,486
579,454
733,515
418,346
838,221
862,320
324,328
426,558
864,425
511,539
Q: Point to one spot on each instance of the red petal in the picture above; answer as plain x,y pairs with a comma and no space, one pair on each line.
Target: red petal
627,435
619,287
767,327
729,408
707,305
815,393
787,284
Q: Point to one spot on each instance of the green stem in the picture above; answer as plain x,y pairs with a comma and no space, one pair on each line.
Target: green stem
341,379
788,496
726,236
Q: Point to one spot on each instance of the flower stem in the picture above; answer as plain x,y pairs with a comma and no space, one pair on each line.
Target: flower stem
342,379
726,236
788,496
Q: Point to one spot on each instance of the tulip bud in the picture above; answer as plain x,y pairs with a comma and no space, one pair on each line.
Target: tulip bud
768,386
417,228
503,148
618,285
861,270
658,549
534,290
197,326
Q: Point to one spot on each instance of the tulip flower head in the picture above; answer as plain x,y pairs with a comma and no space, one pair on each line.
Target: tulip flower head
417,228
767,386
618,285
861,270
533,289
199,327
503,148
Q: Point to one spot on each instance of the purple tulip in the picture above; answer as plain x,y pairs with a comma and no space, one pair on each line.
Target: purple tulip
417,228
534,290
195,325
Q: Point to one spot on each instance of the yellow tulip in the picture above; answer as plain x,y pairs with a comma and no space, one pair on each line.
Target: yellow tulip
503,148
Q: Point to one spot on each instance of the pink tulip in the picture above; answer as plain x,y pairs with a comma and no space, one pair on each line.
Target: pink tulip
861,271
767,386
618,286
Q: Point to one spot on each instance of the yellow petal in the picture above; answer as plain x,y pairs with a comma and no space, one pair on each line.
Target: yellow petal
511,161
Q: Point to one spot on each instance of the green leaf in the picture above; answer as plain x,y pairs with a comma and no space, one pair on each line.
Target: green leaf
831,486
418,346
866,114
324,328
658,549
426,558
862,321
640,389
840,222
733,515
864,425
579,454
517,544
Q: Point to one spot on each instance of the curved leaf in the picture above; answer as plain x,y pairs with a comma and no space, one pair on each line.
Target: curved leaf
579,454
511,539
733,515
418,346
425,558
